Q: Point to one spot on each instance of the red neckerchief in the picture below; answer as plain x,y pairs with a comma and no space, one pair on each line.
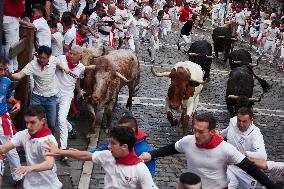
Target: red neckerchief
166,11
1,158
70,64
130,159
42,66
214,142
7,125
35,18
140,135
45,131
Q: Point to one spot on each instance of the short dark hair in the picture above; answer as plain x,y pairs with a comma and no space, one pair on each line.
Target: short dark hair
82,23
124,135
67,19
130,121
44,49
120,1
189,178
160,13
207,117
3,60
246,111
40,8
36,110
52,24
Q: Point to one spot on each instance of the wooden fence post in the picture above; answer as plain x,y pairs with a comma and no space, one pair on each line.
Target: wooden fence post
24,52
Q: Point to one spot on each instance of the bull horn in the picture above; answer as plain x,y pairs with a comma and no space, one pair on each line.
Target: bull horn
210,57
233,96
237,61
233,39
199,82
221,36
192,54
121,77
254,99
161,74
252,64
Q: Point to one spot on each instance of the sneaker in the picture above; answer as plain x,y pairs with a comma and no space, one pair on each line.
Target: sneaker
63,159
178,45
72,134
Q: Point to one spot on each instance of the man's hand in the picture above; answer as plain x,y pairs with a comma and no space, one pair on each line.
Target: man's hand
16,108
23,170
145,156
51,149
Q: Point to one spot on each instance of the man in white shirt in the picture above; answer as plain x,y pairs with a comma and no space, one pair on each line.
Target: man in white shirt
56,39
69,31
247,138
66,85
208,155
45,87
271,33
123,168
147,13
155,28
121,16
40,172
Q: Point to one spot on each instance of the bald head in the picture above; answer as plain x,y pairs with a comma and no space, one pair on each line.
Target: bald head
111,9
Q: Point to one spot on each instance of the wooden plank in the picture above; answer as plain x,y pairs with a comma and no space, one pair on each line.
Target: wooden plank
18,48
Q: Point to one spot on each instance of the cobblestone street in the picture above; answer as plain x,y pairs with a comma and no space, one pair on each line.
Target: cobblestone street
148,108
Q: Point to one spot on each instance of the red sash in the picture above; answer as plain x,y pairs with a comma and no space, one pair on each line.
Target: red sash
7,125
130,159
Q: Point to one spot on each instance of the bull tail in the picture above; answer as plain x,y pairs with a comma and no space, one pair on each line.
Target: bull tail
265,86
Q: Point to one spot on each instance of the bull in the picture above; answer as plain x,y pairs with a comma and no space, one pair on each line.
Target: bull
241,57
186,82
239,92
222,39
200,52
102,83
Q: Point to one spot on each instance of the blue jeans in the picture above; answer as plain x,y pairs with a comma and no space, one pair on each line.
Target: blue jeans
49,104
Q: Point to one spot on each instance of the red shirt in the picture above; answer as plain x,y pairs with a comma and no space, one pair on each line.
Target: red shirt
80,40
184,14
14,8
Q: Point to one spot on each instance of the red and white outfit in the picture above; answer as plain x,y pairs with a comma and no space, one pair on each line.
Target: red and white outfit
35,147
146,13
70,36
251,141
13,9
120,17
57,43
271,34
127,172
42,33
209,161
66,84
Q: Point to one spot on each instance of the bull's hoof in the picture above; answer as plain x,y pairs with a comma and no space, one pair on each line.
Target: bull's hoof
91,135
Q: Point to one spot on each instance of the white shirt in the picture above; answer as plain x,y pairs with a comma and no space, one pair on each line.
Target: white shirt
133,27
156,24
70,36
34,150
251,141
209,164
66,83
271,33
147,10
57,44
119,14
43,33
166,23
240,18
120,176
44,80
274,171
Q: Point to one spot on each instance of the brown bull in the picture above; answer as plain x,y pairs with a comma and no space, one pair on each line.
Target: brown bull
103,83
186,82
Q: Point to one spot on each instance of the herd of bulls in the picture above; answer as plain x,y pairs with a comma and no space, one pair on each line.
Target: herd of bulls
118,68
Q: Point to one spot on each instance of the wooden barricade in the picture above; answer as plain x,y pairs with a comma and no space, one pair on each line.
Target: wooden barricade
22,49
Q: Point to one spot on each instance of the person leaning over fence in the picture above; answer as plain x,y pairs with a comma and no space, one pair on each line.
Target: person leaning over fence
40,172
45,87
123,168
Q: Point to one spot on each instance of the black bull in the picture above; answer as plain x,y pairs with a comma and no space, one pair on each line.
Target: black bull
222,39
200,52
239,90
239,58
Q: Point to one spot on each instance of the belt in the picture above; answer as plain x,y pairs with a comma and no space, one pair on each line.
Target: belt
103,32
269,39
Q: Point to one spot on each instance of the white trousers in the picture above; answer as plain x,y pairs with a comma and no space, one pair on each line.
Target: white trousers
239,179
270,44
103,40
11,32
12,156
63,103
185,41
1,169
240,33
154,45
282,51
134,44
